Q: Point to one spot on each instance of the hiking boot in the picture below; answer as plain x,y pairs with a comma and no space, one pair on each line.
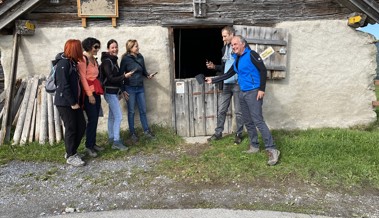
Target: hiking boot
98,148
75,161
149,135
118,145
238,139
80,155
91,152
134,138
252,150
215,137
273,156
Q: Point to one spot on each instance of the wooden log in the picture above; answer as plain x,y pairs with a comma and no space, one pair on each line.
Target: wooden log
21,120
33,124
57,125
38,114
43,118
50,119
17,101
7,122
29,111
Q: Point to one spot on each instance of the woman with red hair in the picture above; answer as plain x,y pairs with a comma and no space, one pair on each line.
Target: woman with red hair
67,99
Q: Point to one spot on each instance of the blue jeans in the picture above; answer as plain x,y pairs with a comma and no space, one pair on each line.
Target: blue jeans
92,111
229,91
114,116
136,95
252,115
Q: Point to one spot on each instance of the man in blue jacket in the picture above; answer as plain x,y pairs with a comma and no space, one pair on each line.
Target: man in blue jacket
252,75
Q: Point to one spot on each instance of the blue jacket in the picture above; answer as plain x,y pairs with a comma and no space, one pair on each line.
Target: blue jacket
252,73
129,63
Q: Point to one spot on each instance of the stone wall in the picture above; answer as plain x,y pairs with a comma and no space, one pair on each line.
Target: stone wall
329,81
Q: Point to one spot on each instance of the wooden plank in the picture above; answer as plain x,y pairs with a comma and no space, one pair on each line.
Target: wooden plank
210,103
43,123
38,114
33,124
18,99
198,108
29,111
21,119
18,10
266,41
182,108
50,119
57,124
190,106
7,121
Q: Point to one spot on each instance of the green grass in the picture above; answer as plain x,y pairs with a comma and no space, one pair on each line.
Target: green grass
334,158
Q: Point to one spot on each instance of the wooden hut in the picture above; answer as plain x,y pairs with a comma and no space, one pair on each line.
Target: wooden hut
321,73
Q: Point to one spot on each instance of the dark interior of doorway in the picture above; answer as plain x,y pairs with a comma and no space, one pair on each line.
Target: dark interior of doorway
193,47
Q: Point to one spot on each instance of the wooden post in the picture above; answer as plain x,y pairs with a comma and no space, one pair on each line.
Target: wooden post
29,111
50,119
33,124
43,122
38,115
57,124
21,119
7,123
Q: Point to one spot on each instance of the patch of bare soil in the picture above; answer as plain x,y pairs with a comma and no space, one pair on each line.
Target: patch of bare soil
40,189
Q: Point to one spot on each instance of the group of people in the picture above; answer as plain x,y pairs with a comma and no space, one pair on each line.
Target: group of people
244,78
80,82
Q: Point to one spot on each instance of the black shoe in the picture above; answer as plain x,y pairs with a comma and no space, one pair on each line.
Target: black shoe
238,139
215,137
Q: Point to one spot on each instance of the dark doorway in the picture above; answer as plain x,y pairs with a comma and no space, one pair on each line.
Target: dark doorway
193,47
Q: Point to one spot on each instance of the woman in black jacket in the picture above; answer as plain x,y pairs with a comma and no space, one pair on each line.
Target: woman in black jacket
67,99
113,80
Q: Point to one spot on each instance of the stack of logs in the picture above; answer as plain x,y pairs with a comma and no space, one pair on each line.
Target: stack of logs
34,115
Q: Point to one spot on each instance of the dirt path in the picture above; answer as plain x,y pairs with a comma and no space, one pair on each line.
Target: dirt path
39,189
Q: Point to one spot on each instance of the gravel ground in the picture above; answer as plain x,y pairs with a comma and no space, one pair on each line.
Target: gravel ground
44,189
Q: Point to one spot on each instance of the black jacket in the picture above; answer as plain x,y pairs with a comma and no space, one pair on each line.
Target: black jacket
129,63
113,77
67,81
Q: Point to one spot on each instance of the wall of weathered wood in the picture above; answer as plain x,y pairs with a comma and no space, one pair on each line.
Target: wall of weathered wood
149,12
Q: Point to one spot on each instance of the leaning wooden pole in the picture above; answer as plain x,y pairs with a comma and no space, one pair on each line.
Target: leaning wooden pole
43,123
21,118
5,133
29,111
50,119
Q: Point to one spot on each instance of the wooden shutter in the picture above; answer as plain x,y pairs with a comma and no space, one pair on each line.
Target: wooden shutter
260,38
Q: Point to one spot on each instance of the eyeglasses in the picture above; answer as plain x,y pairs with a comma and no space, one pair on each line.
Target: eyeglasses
96,47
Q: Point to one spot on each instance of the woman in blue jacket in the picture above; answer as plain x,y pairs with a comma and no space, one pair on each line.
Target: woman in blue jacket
133,61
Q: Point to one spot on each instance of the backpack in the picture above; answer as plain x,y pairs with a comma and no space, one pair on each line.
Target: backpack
50,85
102,75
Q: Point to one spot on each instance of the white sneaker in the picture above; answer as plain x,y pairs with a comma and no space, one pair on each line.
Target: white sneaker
75,161
273,156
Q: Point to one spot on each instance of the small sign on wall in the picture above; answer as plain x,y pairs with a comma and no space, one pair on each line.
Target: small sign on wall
179,87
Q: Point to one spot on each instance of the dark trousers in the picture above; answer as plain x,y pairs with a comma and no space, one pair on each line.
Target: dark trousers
253,118
92,112
75,126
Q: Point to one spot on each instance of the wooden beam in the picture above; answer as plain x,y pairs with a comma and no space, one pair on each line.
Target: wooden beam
11,15
7,122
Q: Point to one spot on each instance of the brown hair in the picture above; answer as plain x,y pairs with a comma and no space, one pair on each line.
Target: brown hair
129,45
73,50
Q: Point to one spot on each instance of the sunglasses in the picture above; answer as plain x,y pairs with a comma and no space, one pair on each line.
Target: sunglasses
96,47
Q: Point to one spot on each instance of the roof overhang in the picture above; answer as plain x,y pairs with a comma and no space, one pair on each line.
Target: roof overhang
368,7
11,10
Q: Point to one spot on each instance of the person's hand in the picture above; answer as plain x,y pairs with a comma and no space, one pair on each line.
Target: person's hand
126,95
260,95
210,65
128,74
75,106
208,80
91,99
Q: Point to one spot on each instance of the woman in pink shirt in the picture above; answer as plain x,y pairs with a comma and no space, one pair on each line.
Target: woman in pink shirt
89,72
